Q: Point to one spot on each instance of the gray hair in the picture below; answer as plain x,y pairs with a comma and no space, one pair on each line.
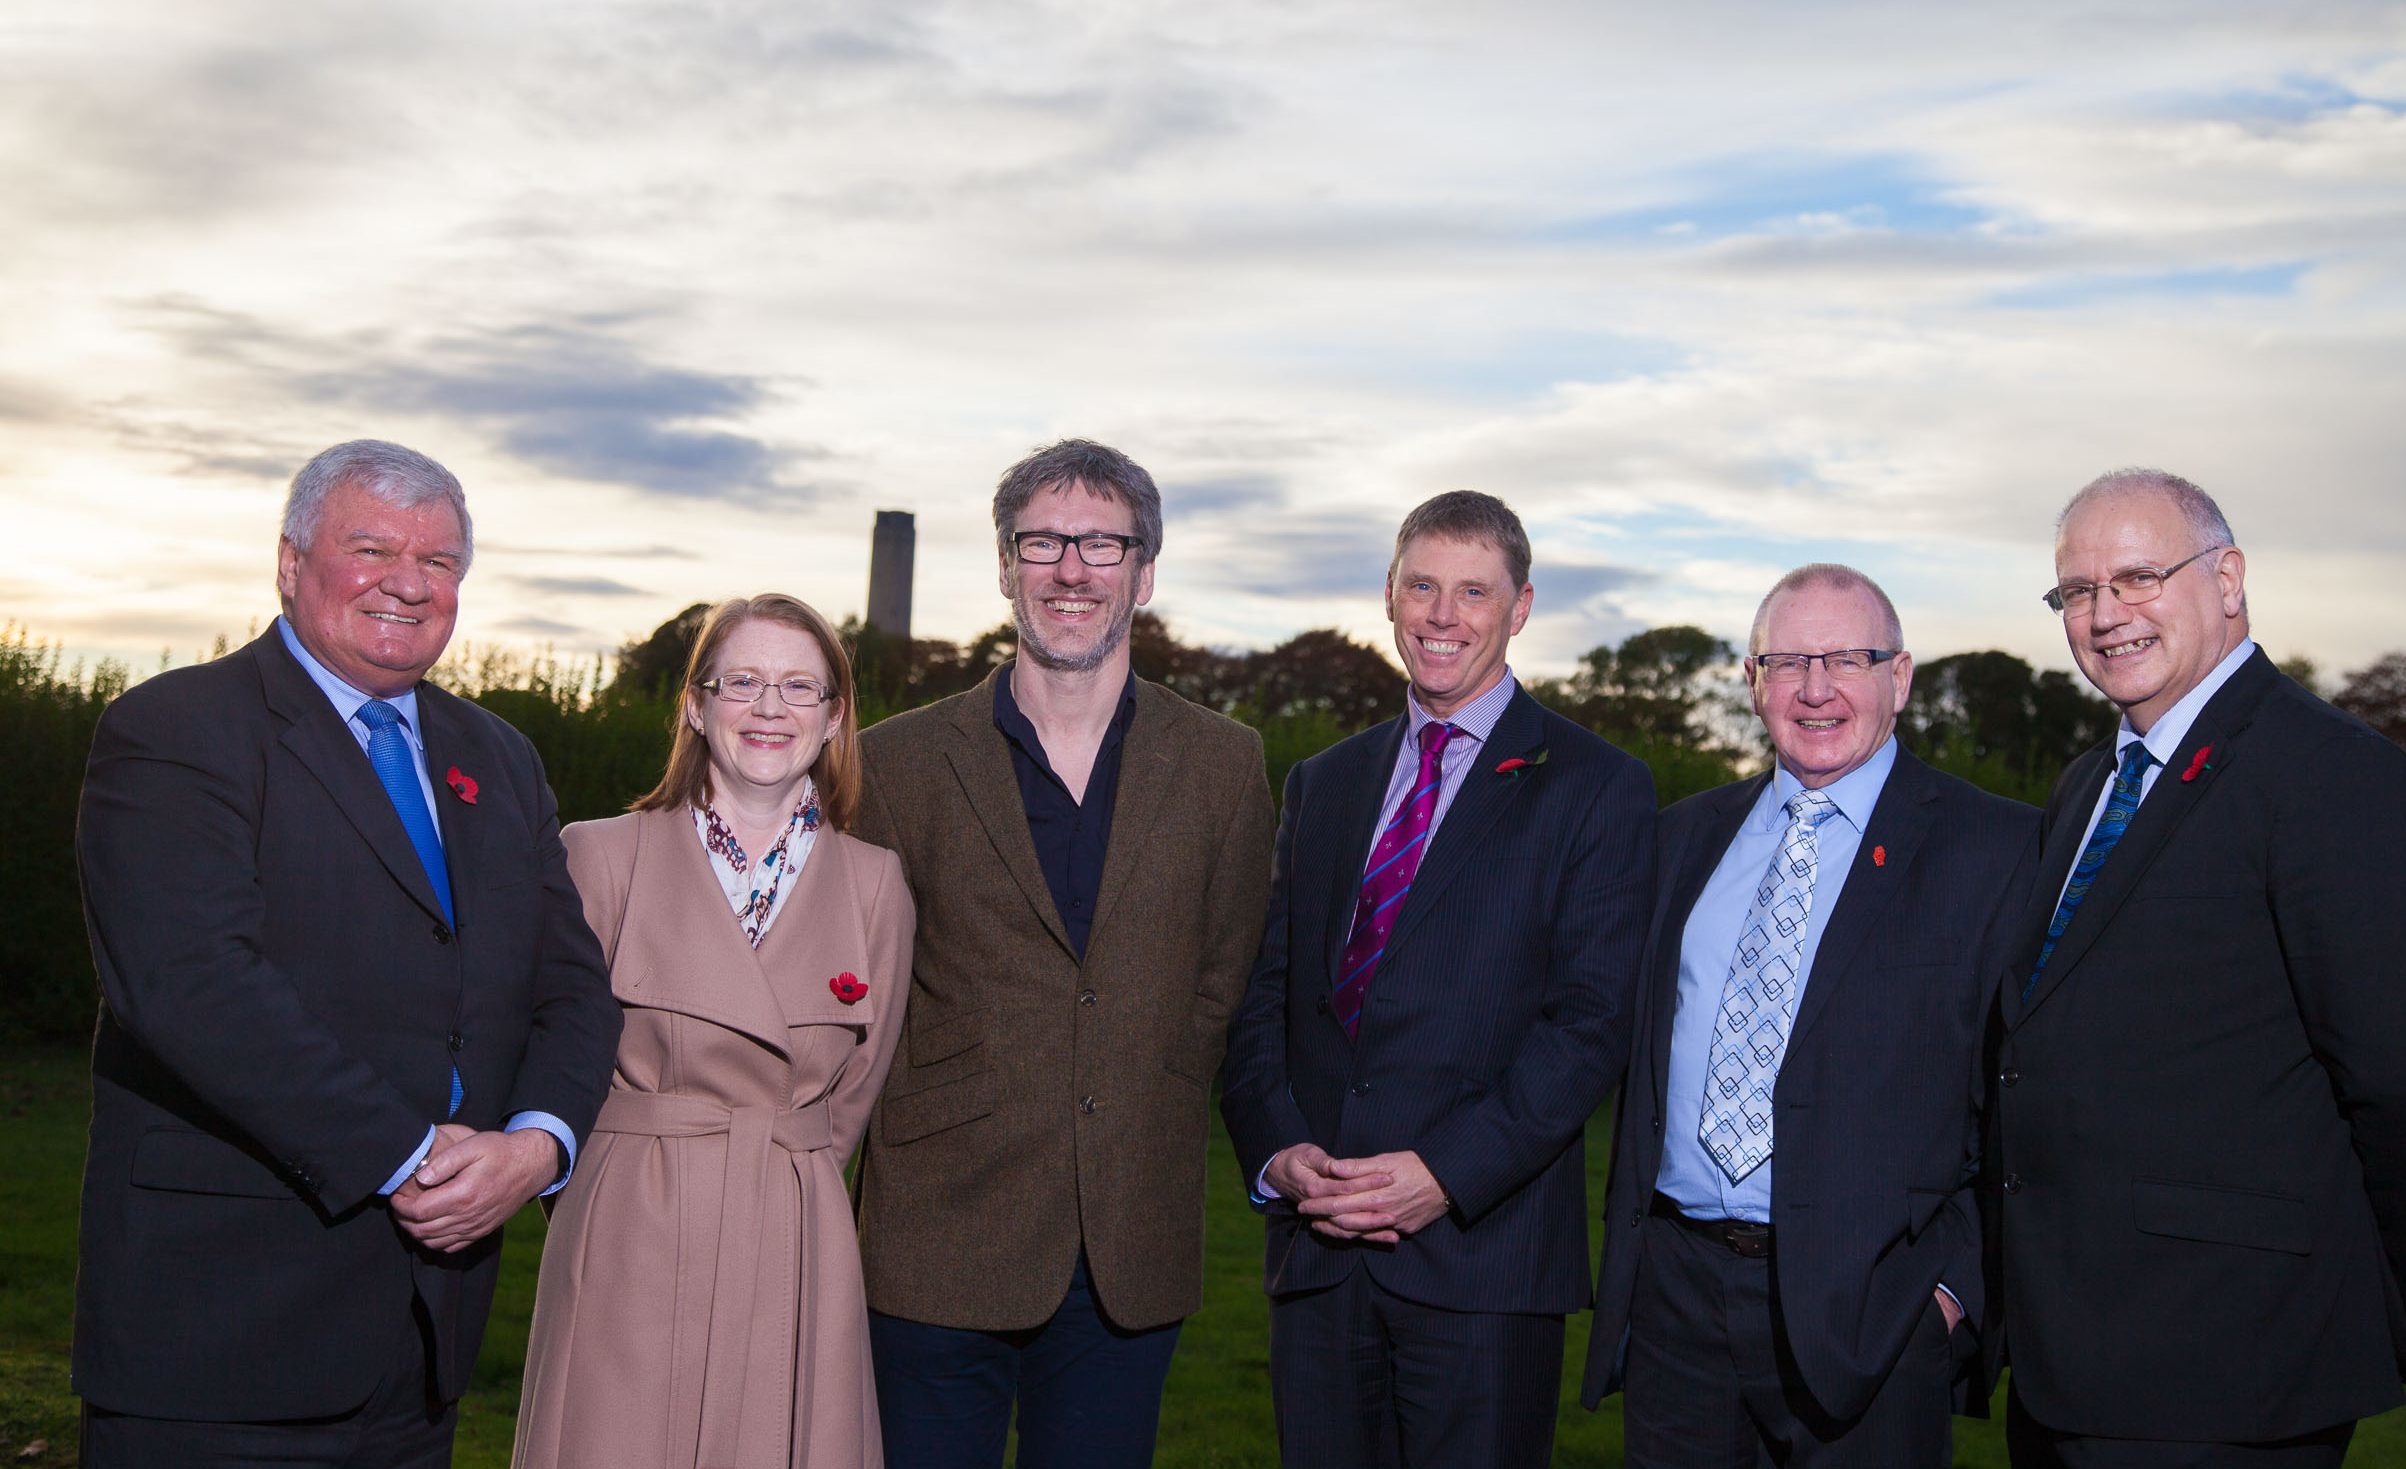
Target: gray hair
1098,469
397,476
2205,518
1468,515
1837,578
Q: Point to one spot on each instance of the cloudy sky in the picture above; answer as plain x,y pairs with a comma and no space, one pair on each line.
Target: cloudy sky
685,293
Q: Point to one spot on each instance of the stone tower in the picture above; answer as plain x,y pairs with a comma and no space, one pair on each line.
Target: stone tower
890,551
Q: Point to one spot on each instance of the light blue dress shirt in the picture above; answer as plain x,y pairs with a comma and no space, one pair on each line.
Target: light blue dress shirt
347,701
1689,1176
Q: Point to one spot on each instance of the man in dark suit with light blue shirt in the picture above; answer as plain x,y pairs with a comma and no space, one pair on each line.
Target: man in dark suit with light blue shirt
352,1016
2199,1159
1792,1263
1442,999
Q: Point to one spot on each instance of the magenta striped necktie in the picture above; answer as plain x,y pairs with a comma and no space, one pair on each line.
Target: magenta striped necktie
1393,860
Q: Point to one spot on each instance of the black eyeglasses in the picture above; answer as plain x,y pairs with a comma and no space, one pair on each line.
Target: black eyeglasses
2139,584
746,688
1095,547
1840,663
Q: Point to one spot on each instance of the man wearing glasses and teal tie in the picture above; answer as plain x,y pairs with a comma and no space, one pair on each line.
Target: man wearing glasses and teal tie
2199,1158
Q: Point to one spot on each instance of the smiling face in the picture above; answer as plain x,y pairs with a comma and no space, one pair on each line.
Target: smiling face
2145,658
1074,618
374,594
1824,728
1455,610
765,748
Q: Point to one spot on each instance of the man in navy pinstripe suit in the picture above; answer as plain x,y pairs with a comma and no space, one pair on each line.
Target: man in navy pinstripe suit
1791,1241
1442,999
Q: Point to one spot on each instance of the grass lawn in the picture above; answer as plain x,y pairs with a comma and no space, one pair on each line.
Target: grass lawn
1217,1412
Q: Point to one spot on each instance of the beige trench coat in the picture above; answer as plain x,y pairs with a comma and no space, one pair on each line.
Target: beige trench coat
701,1301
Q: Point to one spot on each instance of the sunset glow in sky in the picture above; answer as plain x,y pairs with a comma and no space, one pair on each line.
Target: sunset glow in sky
685,293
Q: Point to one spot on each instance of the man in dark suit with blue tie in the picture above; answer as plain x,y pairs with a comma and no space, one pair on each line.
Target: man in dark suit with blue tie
2199,1162
1441,1001
1792,1261
352,1017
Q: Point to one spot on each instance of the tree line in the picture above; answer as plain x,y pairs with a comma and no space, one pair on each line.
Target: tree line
1672,696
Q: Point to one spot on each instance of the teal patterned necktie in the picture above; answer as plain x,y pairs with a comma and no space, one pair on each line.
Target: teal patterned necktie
1758,1000
2119,807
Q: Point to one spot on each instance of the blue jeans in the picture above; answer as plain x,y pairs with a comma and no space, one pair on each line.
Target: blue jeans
1089,1392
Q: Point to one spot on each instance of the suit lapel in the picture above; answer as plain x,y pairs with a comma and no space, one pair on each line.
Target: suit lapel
2221,724
1364,791
1147,779
981,760
1519,733
315,736
1892,839
464,827
691,956
1685,875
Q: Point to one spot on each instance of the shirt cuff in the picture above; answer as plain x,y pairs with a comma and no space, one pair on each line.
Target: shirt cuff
1958,1300
1263,1193
559,1130
409,1167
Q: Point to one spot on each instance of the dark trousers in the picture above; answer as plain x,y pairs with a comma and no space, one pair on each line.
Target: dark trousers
398,1427
1711,1382
2032,1445
1364,1379
1089,1392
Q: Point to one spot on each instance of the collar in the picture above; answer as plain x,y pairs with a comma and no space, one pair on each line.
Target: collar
1013,722
2165,739
346,699
1476,718
1854,793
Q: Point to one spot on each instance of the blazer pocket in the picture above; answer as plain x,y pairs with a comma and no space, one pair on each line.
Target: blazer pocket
939,1035
2222,1215
179,1161
930,1110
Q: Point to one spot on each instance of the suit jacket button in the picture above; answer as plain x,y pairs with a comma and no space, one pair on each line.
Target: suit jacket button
2009,1076
1086,997
1086,1105
1658,1124
1322,1005
1637,1219
1361,1088
2013,1183
442,933
456,1041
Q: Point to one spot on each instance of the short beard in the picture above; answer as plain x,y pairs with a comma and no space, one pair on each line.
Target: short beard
1033,649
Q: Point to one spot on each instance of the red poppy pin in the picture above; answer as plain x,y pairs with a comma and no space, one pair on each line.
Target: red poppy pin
462,786
2198,763
848,988
1516,763
1879,856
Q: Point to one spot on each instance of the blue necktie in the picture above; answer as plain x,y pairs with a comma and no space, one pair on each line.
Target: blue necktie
2119,807
397,770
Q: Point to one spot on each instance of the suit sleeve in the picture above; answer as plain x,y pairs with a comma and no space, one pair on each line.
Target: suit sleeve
2338,897
1232,907
572,1031
167,839
1964,1273
1262,1117
1574,1054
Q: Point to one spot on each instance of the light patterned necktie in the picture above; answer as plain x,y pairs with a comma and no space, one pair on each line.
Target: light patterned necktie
1394,858
1758,1000
2119,808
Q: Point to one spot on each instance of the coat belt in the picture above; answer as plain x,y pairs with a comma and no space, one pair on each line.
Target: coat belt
751,1132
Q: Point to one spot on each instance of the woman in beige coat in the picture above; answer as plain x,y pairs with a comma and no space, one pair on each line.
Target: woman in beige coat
700,1302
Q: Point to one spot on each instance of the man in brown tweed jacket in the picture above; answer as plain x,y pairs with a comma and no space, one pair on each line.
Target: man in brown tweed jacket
1090,858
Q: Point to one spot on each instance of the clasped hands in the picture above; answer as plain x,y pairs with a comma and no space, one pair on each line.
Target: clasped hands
471,1183
1376,1200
